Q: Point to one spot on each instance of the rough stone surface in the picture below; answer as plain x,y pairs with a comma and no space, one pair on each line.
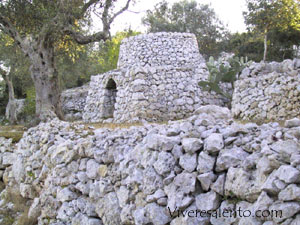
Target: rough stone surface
208,201
213,143
156,80
268,91
65,173
73,102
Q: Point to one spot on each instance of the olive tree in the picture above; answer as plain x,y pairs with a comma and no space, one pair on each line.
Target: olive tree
37,26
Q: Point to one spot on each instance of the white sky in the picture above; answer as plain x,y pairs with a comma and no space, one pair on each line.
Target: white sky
228,11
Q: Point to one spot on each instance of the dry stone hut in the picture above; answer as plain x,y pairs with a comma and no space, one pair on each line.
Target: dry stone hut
156,80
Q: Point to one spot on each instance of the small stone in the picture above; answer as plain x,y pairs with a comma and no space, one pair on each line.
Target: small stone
27,191
165,163
205,163
208,201
158,215
157,195
218,186
230,158
66,195
292,123
288,209
290,193
206,179
92,169
35,209
108,209
162,201
213,143
288,174
82,177
191,145
102,170
188,162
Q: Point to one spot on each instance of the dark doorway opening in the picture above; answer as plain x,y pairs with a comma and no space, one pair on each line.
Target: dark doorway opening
110,99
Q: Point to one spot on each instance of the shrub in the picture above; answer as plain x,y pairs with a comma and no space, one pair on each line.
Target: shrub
227,71
29,108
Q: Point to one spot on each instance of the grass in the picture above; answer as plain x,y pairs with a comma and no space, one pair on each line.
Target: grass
111,125
20,205
14,132
260,122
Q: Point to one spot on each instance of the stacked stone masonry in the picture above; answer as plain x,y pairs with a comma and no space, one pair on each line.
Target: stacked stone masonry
143,175
73,102
268,91
156,80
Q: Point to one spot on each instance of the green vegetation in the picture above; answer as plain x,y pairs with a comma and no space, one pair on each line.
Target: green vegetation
273,33
43,30
14,132
29,108
272,20
223,72
191,17
106,57
20,205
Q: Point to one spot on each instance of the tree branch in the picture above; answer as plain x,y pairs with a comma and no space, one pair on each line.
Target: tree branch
82,39
105,15
3,73
120,12
9,29
88,5
106,21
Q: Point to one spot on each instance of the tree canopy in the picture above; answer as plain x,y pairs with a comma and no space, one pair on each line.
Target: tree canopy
38,27
191,17
270,16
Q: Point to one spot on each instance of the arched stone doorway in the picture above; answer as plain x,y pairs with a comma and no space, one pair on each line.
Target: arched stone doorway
109,99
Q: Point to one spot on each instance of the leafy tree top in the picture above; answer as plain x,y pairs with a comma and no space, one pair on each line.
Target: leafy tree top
264,15
188,16
36,20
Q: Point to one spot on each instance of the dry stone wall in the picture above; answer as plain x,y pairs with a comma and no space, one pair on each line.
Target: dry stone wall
268,91
152,173
156,80
73,102
160,49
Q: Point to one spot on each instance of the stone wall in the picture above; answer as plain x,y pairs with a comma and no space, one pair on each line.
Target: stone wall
160,49
153,94
157,80
268,91
145,175
73,102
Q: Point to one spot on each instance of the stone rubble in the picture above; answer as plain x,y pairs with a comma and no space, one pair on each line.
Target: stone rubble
148,174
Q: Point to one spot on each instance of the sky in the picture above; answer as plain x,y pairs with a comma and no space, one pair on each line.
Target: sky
228,11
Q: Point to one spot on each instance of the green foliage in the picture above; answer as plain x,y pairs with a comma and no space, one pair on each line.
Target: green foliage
89,61
248,44
15,59
223,72
191,17
31,174
108,55
264,15
29,108
281,44
275,20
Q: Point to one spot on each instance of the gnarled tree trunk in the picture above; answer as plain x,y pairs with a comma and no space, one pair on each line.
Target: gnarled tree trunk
46,82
